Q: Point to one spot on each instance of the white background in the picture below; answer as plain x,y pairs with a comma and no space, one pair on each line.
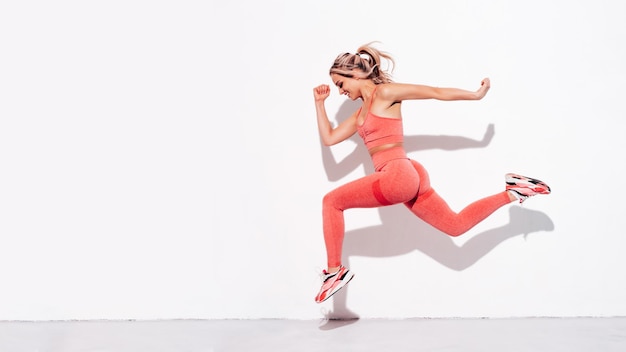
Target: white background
160,159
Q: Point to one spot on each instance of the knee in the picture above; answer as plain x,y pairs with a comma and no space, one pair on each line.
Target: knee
455,232
328,200
457,229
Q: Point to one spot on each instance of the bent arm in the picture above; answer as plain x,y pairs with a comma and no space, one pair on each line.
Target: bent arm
329,135
399,92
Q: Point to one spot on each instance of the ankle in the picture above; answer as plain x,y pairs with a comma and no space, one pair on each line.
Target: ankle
333,269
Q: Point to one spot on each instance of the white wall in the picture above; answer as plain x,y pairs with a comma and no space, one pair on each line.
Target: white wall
160,159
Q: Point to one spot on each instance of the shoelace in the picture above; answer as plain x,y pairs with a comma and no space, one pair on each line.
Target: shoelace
325,276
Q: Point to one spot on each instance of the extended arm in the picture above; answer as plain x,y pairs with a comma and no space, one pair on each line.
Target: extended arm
399,92
328,134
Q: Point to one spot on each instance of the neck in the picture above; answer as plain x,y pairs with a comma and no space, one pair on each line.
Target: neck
368,90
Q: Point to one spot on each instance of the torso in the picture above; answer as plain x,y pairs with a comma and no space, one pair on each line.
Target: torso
366,117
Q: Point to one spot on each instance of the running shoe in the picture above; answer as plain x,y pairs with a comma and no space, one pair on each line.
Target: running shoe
524,187
333,283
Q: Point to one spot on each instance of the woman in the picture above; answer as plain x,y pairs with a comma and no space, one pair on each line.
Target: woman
397,179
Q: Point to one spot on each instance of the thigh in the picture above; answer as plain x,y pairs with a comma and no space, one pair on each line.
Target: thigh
397,182
356,194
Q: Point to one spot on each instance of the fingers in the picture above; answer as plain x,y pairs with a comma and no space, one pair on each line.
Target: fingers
321,92
322,89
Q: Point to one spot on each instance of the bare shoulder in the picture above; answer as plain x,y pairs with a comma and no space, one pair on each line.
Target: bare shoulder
392,92
386,89
405,91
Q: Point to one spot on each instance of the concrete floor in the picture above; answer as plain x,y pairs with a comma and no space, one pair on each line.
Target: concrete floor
510,335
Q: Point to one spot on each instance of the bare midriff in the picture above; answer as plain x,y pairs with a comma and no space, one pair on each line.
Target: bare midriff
380,148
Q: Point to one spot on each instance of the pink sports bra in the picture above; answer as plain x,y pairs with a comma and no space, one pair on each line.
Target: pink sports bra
377,130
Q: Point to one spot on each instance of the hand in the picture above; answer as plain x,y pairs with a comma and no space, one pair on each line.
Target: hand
321,92
484,88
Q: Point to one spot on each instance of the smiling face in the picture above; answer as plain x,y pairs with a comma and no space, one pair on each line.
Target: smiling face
347,86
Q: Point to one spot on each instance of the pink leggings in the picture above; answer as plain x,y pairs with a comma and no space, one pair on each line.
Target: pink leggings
399,179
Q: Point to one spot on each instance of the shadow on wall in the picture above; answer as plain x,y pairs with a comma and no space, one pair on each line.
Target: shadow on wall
400,232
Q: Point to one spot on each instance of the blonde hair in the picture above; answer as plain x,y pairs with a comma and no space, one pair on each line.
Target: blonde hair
368,60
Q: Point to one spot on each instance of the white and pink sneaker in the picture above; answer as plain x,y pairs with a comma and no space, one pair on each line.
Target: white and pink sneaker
333,283
523,187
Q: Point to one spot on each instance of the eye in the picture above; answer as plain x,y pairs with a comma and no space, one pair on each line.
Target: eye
340,85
